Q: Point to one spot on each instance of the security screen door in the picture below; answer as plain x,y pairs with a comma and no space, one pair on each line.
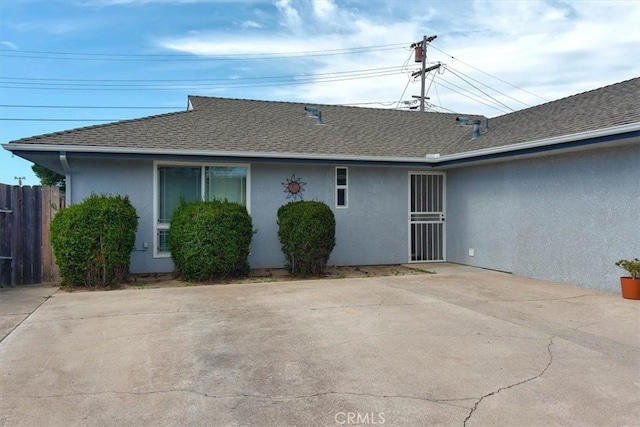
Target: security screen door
426,217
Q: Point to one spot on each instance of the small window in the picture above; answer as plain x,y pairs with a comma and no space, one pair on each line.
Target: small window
163,240
341,187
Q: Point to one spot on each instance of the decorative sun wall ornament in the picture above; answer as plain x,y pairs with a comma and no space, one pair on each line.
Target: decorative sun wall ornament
294,187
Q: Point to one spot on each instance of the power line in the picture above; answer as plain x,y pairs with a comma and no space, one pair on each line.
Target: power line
483,92
230,84
468,94
434,88
346,49
441,107
408,80
403,92
291,76
42,82
457,72
22,119
79,56
88,107
383,103
490,75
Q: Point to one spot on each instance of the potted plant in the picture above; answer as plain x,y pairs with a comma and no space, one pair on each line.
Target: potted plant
630,285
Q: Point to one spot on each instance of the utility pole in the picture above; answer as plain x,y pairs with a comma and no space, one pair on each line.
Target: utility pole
424,70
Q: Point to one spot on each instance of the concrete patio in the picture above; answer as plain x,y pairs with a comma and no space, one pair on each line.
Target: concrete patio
464,347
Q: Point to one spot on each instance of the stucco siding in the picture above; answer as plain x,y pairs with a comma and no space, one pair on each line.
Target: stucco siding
565,218
133,178
372,230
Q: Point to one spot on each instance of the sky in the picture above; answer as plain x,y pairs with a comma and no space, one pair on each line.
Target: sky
66,64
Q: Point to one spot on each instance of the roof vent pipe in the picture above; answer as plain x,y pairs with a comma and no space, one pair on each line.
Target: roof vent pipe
476,129
311,111
319,118
486,125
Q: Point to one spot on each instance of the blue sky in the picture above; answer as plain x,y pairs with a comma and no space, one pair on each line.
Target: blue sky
97,60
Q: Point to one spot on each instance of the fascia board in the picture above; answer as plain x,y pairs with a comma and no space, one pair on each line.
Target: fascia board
430,159
546,142
205,153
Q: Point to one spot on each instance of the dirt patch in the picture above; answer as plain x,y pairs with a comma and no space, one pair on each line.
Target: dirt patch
167,280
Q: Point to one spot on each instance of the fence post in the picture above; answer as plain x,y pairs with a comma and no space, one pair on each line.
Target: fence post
16,236
52,202
6,213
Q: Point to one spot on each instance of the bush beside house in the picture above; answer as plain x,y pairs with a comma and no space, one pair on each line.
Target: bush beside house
306,230
92,241
210,240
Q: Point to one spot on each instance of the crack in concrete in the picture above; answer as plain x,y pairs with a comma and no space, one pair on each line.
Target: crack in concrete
380,304
479,400
47,298
539,299
449,402
243,310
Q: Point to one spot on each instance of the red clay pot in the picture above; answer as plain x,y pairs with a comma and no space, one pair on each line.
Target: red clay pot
630,287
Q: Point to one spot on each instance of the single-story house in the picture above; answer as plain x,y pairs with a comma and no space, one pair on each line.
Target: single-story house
550,192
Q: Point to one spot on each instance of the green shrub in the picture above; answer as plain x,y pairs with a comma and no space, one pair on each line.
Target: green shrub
306,230
210,240
92,241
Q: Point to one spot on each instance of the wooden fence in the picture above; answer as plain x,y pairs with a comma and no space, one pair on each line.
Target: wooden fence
26,256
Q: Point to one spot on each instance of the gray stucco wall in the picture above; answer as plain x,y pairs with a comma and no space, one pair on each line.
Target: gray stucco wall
372,230
565,218
125,177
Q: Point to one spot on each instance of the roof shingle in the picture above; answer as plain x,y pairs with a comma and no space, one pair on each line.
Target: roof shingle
237,125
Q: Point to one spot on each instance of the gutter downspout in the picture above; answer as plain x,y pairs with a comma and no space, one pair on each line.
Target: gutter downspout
67,175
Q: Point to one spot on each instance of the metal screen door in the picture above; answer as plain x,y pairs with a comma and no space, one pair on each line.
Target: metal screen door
426,217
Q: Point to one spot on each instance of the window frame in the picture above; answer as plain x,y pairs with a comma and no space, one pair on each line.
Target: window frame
344,187
156,193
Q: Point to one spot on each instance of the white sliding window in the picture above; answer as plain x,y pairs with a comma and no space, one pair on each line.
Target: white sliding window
226,183
191,183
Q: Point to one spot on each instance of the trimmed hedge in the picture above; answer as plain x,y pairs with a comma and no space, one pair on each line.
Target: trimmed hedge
210,240
92,241
306,230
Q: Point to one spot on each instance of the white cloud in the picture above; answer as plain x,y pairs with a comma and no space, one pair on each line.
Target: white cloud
323,9
221,44
10,45
50,26
291,18
549,49
145,2
250,24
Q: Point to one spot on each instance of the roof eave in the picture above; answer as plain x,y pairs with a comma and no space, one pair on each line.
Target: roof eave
205,153
434,159
558,142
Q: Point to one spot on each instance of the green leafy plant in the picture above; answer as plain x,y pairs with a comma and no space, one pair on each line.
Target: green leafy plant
210,240
49,177
92,241
632,266
306,230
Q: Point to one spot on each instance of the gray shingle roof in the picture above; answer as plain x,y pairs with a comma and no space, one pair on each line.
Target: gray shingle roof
236,125
609,106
